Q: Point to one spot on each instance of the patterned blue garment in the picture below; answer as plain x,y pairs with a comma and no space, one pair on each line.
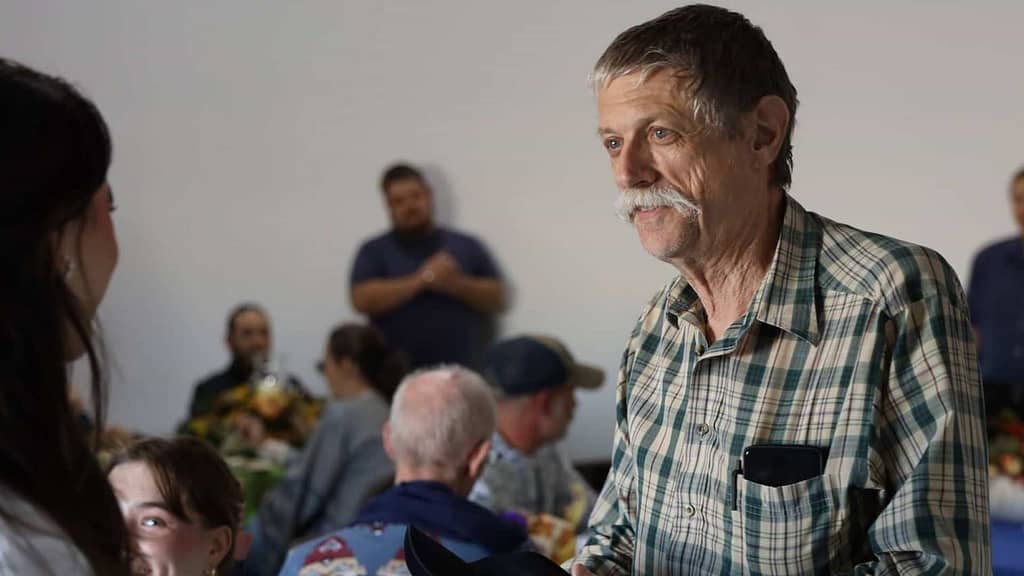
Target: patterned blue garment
363,550
374,543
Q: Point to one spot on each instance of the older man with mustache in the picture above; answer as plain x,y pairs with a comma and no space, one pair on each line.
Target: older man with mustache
804,398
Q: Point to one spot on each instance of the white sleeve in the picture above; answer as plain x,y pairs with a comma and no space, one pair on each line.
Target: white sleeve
32,543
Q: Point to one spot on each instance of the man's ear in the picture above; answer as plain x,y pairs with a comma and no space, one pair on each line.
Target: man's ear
541,401
478,458
770,118
229,337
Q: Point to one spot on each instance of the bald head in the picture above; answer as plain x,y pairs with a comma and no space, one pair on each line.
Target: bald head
439,416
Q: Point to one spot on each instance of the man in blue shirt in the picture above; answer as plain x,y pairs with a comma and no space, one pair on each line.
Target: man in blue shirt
996,295
427,288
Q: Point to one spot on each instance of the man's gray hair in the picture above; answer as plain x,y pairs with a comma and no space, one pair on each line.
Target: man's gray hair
724,65
438,415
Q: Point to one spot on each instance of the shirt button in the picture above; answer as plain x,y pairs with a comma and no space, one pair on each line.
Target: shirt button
690,510
703,429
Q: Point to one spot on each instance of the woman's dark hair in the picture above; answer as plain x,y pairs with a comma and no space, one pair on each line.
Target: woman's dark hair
191,477
382,365
54,154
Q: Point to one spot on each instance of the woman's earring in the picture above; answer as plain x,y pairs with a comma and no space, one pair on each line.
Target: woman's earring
211,572
69,269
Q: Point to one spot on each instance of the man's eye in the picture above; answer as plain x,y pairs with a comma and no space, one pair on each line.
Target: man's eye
612,143
662,133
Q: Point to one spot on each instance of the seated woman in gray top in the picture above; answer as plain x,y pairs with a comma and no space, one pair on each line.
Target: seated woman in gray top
344,463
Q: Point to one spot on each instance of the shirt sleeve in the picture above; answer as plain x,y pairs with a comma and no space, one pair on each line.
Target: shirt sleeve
483,264
33,544
368,265
931,445
609,547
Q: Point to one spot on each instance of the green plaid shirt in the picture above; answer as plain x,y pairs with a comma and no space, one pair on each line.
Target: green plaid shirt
854,342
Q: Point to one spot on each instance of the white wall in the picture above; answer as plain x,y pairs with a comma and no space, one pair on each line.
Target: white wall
249,137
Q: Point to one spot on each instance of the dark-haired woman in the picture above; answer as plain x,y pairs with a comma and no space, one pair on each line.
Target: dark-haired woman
344,463
57,252
181,504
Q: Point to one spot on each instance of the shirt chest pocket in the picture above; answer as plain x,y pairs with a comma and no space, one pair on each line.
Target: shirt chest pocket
793,529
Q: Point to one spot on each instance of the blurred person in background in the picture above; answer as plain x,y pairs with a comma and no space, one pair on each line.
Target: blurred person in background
429,289
536,378
249,396
439,436
344,462
996,294
249,341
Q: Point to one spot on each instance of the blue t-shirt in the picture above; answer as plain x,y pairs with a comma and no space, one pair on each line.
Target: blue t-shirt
432,328
996,295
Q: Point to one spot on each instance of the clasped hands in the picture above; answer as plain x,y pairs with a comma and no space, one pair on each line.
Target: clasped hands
439,272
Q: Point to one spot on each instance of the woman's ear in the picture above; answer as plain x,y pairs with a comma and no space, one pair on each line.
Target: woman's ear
349,367
220,539
65,246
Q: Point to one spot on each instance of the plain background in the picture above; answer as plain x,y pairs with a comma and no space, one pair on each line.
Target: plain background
250,134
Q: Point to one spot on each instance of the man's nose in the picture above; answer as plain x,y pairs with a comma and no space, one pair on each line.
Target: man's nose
634,167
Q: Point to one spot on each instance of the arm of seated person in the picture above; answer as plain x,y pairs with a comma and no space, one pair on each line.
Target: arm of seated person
301,495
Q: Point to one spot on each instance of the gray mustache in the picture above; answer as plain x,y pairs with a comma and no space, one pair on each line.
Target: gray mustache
630,200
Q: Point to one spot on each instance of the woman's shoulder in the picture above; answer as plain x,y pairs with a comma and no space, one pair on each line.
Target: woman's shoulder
32,543
368,404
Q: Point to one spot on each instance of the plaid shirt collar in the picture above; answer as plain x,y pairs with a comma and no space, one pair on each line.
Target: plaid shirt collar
785,299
